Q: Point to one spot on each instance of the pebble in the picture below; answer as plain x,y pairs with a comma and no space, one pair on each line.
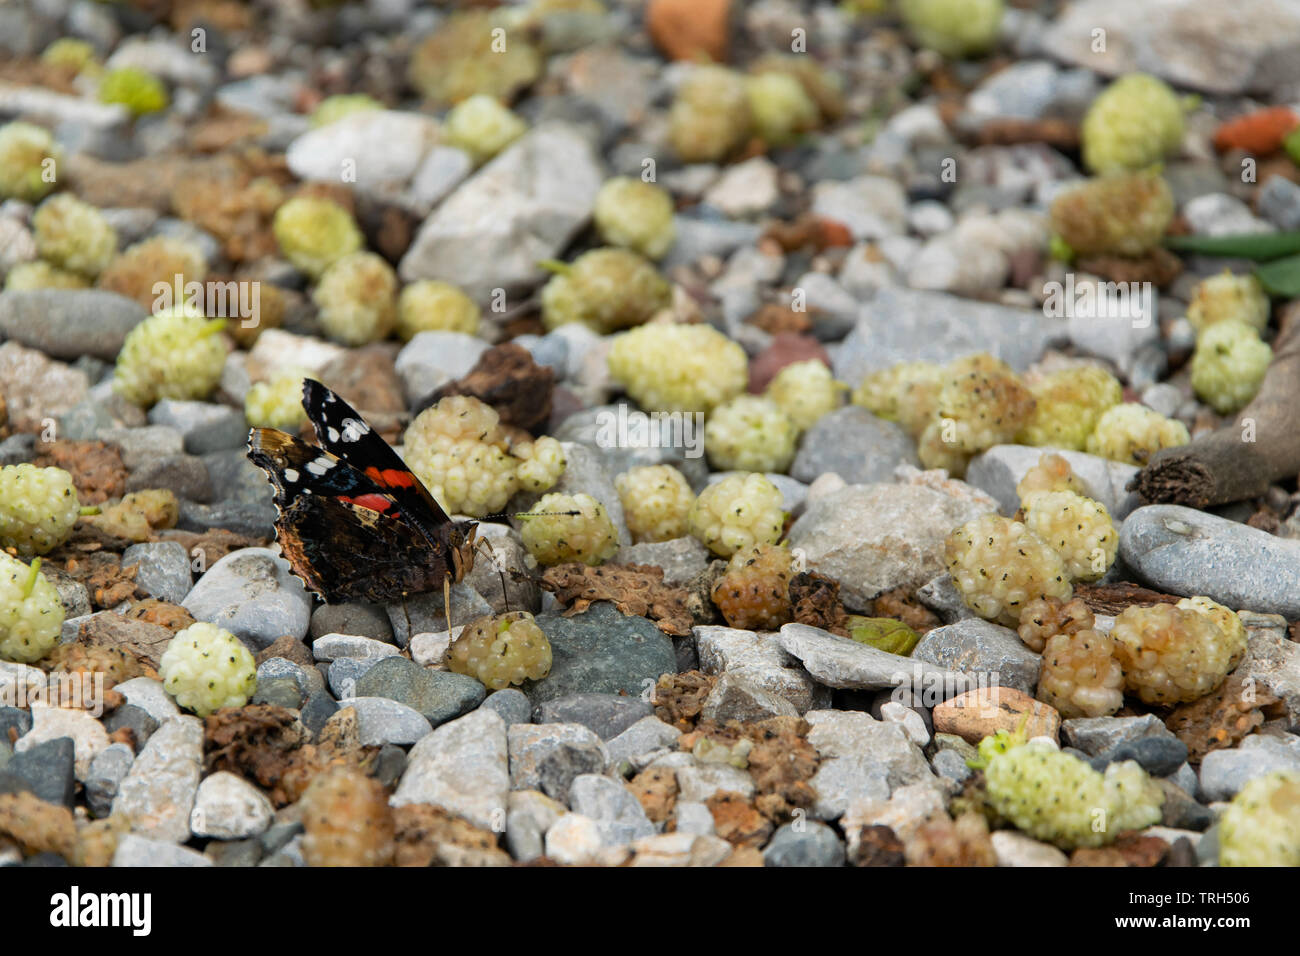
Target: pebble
601,651
162,569
854,444
1098,735
529,815
1032,89
159,791
951,765
612,806
51,723
383,721
353,618
442,169
1273,662
904,812
134,849
36,388
205,427
228,807
871,207
463,767
380,149
252,593
328,647
1279,202
434,358
983,711
992,654
423,613
47,769
1185,551
605,715
734,698
1225,772
877,537
1013,848
317,710
1219,214
574,840
439,696
693,817
911,721
699,781
940,595
148,694
680,558
547,757
1159,756
144,444
107,770
510,705
69,323
278,692
843,663
649,735
745,189
183,475
998,471
807,843
861,758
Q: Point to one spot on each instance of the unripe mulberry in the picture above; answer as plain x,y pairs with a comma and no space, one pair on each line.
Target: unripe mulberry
1123,215
459,451
174,354
805,391
1132,433
1261,827
754,592
955,28
29,161
501,650
314,233
278,402
1228,296
1132,124
999,565
31,614
1052,473
606,290
346,820
1079,529
38,508
986,402
1229,365
635,215
357,298
678,368
431,305
541,463
482,127
1080,676
29,276
907,393
656,502
74,235
143,265
750,433
780,107
140,92
334,108
739,511
1068,405
1056,797
205,668
1177,653
471,52
553,536
710,116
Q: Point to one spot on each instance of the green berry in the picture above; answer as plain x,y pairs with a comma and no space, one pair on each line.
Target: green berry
38,508
357,299
1229,365
205,668
710,115
999,565
1123,214
1132,433
739,511
554,537
686,368
334,108
606,290
482,127
314,233
69,52
74,235
138,91
430,305
955,28
31,614
1133,123
174,354
541,463
29,161
805,391
1261,827
27,276
635,215
781,108
749,433
472,52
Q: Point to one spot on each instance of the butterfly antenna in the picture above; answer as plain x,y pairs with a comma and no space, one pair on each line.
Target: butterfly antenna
530,514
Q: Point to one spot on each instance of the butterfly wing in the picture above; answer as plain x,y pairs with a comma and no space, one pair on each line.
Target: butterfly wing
345,434
297,468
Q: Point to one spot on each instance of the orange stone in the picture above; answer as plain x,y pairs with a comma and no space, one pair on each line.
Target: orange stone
690,29
983,711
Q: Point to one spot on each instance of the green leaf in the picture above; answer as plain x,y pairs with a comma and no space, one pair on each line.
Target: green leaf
1281,277
1261,247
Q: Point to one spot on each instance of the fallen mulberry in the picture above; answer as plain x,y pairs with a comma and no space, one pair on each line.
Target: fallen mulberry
174,354
683,368
29,161
314,233
1177,653
205,668
1228,296
656,501
31,614
999,565
1229,365
739,511
482,127
805,391
955,28
1124,215
1052,473
346,820
1080,676
606,290
431,305
1068,405
501,650
1132,124
38,508
635,215
754,593
74,235
1078,529
1132,433
710,116
1261,827
554,536
749,433
357,298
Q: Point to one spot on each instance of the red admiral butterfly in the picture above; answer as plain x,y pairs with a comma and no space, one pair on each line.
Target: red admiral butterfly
352,520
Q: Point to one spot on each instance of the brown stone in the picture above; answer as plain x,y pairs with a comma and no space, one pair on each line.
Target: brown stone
690,29
737,821
983,711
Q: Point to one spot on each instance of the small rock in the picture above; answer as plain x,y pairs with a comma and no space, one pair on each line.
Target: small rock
854,444
983,711
228,807
383,148
1097,735
1159,756
612,806
148,694
1225,772
871,207
50,723
463,767
745,189
1015,849
998,471
383,721
911,721
47,769
734,698
547,757
647,736
134,849
158,792
353,618
107,771
992,654
439,696
804,844
69,323
328,647
843,663
861,758
698,781
510,705
252,593
574,840
605,715
162,569
529,816
204,426
680,558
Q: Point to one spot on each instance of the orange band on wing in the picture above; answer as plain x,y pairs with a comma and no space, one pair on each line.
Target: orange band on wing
390,477
372,502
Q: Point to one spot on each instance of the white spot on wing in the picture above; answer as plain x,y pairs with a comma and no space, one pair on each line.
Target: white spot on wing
290,474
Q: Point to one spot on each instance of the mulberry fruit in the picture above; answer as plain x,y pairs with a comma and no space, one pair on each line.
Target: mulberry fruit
1229,365
656,502
1133,123
754,592
1077,528
205,668
1067,406
74,235
482,127
143,266
314,233
473,52
174,354
501,650
334,108
38,508
1123,215
780,107
1177,653
805,391
1132,433
139,514
31,614
606,290
710,116
1080,676
1044,618
907,393
278,402
29,162
636,215
541,463
1261,827
357,298
554,536
955,28
138,91
346,820
28,276
750,433
431,305
1227,296
739,511
678,368
998,566
1052,473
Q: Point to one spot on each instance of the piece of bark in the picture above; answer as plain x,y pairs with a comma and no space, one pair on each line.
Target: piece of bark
1240,460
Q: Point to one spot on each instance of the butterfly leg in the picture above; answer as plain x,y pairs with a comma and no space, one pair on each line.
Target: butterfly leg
407,614
491,555
446,602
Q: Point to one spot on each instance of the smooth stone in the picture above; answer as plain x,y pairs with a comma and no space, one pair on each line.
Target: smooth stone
439,696
144,444
431,359
861,758
52,723
278,692
992,654
734,698
184,475
983,711
845,664
1225,772
1159,756
547,757
133,849
1279,202
382,148
910,720
149,695
680,558
159,791
1097,735
204,426
1013,848
69,323
162,569
871,207
383,721
317,710
306,680
423,613
1186,551
48,770
854,444
807,843
649,735
107,772
327,647
252,593
529,816
605,715
228,807
510,705
941,596
612,805
253,520
342,675
354,618
998,471
463,767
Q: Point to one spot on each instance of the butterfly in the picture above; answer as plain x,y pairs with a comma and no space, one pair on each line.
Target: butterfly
354,523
